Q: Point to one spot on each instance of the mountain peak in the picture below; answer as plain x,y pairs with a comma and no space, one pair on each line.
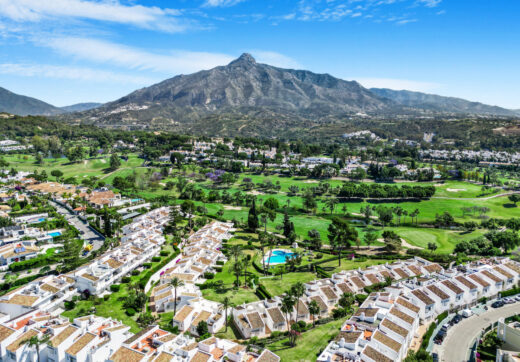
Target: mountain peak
244,59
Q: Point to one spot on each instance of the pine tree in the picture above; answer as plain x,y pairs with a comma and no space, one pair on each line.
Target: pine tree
252,218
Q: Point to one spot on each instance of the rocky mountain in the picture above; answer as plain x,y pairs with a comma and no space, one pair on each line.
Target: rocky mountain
436,103
79,107
257,97
17,104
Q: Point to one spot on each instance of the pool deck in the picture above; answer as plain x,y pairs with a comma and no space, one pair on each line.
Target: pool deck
266,258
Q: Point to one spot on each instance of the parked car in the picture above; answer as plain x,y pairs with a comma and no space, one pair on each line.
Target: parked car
457,319
497,304
435,357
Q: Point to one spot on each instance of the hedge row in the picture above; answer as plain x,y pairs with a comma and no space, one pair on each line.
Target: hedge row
510,292
262,292
429,332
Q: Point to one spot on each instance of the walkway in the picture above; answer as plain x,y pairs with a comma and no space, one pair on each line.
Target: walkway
457,344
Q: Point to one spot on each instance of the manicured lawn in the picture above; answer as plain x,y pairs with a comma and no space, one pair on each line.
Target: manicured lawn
445,239
309,345
277,286
348,264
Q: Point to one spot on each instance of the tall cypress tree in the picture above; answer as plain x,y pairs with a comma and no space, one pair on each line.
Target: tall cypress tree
252,218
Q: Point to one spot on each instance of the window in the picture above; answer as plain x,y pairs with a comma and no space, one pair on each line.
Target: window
11,355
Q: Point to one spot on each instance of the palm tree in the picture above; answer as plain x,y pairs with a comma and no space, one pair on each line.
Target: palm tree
297,291
245,264
331,204
236,251
287,307
176,283
314,310
36,342
237,270
226,303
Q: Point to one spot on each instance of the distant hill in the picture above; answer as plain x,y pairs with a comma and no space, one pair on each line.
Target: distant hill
437,103
17,104
243,96
79,107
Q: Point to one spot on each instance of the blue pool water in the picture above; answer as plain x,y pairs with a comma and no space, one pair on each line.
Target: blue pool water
136,200
279,256
55,234
42,219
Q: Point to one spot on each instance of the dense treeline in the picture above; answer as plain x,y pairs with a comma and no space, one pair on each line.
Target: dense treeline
378,191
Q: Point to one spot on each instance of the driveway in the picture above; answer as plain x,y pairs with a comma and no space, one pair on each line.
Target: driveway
457,343
86,232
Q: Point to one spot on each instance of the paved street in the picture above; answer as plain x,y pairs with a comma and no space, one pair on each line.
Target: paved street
456,345
86,232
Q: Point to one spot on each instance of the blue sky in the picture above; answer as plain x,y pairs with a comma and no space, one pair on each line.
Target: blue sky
70,51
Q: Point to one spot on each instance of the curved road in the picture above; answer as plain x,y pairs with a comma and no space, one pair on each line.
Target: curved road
457,343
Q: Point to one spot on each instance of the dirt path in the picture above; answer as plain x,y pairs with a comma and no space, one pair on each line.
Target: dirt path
476,198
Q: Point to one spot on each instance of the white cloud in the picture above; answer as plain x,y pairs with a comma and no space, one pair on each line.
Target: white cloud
276,59
71,73
149,17
429,3
398,84
215,3
100,51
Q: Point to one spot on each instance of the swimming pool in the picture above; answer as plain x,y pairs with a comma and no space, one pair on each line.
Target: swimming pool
278,256
55,234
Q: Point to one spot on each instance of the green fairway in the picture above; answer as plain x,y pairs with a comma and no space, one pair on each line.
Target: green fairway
445,239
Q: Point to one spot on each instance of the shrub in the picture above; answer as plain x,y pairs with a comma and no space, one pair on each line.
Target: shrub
130,312
115,287
319,255
156,259
135,272
220,262
106,297
125,280
360,298
208,275
69,305
147,265
164,253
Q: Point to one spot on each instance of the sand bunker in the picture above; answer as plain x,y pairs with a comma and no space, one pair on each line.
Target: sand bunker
455,190
311,182
254,192
229,207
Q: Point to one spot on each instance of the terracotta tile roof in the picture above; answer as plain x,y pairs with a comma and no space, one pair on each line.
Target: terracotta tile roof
268,356
5,332
433,268
387,341
329,293
138,335
401,315
422,297
349,337
374,355
255,320
372,278
503,272
183,313
124,354
24,300
358,282
237,348
202,316
408,305
464,281
164,357
479,280
345,288
386,274
13,347
80,343
276,315
401,273
90,277
403,332
321,303
491,276
415,269
200,357
514,267
438,292
454,288
49,288
62,336
113,263
301,308
209,341
368,312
